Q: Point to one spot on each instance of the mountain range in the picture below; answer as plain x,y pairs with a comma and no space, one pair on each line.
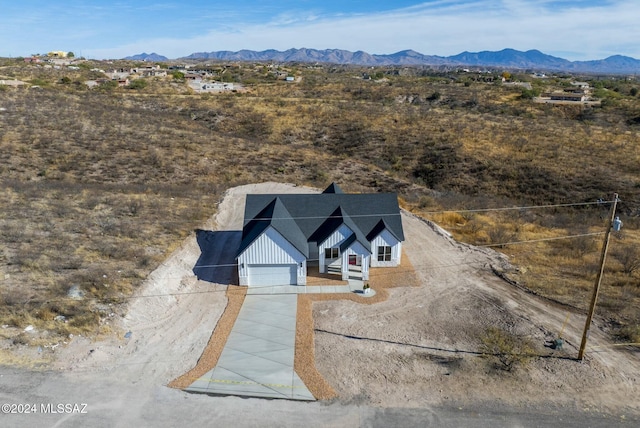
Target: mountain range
507,58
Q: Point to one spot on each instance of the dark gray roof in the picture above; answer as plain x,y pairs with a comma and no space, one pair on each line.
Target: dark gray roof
347,242
301,217
333,222
274,214
382,225
333,188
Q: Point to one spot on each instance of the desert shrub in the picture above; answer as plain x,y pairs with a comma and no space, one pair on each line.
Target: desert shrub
629,334
499,235
629,258
13,234
584,245
138,84
21,339
85,321
506,349
528,94
109,85
434,96
39,82
15,297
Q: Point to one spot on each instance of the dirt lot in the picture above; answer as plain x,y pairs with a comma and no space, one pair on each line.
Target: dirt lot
420,346
417,349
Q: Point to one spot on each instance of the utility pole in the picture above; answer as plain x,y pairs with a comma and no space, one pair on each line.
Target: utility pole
596,288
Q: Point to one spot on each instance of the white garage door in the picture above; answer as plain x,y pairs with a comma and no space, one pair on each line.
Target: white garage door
272,275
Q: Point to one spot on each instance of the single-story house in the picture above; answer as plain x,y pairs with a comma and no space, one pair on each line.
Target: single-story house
568,96
214,86
338,232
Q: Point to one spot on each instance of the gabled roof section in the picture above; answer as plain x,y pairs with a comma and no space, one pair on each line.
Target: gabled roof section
330,225
378,228
333,188
337,218
347,243
276,215
350,240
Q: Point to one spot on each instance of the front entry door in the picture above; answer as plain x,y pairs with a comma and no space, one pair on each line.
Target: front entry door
353,259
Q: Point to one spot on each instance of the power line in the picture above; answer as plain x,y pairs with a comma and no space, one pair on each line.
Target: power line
477,245
326,217
519,208
415,268
149,277
542,239
186,293
576,204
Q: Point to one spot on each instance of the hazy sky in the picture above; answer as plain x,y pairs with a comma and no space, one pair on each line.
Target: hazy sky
572,29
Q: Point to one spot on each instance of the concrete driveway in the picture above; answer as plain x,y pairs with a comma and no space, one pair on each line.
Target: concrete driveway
257,360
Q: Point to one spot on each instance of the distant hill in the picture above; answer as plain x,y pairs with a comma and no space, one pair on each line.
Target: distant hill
507,58
511,58
152,57
535,59
332,56
618,63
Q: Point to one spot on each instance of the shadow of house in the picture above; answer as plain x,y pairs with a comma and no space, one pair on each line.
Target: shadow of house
217,262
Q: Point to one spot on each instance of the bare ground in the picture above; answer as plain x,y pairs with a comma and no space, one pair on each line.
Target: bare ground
417,348
420,346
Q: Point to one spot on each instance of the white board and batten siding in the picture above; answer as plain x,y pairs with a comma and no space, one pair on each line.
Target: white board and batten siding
271,260
386,239
334,240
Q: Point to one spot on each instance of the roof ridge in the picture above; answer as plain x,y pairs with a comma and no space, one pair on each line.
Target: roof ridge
333,188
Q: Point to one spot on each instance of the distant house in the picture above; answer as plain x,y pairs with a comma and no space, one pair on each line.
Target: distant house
57,54
340,233
117,74
149,71
210,86
280,75
581,85
568,96
217,86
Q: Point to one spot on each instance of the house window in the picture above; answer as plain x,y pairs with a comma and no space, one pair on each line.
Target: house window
331,253
384,254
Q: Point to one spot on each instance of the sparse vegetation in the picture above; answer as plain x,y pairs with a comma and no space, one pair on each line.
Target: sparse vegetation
505,349
138,84
98,186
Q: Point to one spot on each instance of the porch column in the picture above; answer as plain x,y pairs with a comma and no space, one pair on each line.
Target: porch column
365,267
345,265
